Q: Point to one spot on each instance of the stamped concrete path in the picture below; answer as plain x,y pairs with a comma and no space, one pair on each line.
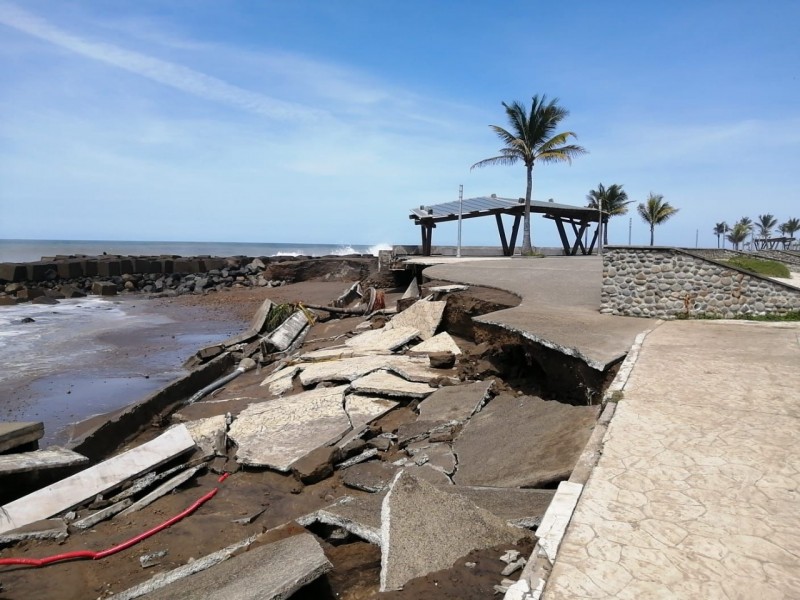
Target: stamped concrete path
697,492
560,303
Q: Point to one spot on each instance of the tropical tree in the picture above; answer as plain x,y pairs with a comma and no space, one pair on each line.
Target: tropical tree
720,229
739,232
532,137
790,227
766,223
612,200
654,211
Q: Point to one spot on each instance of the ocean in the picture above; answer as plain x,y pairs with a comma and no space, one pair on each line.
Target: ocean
33,250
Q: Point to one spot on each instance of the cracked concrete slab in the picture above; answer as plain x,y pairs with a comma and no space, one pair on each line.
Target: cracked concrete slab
362,409
385,339
455,403
346,369
441,342
281,381
437,456
278,432
271,572
383,383
360,516
426,316
210,434
418,369
522,441
425,529
376,476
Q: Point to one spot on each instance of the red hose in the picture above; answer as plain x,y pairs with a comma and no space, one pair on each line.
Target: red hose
88,554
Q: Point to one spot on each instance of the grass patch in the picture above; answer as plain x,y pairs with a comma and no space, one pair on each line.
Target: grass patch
759,266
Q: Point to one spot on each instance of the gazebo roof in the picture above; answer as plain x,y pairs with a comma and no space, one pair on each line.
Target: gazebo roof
482,206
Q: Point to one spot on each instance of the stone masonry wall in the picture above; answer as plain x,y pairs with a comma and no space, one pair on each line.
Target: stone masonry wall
668,283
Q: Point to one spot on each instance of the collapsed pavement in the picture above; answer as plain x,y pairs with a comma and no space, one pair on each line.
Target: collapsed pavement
345,431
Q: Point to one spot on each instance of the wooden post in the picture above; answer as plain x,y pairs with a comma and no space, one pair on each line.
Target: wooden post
514,230
563,234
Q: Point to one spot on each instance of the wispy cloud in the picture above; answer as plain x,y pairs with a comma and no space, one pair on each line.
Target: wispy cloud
167,73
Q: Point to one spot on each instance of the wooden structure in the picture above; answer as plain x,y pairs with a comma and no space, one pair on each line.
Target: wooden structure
577,218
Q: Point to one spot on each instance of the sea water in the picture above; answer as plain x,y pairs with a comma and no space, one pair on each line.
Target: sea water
33,250
66,362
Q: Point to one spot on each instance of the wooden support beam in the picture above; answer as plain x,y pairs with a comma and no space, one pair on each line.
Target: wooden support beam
502,232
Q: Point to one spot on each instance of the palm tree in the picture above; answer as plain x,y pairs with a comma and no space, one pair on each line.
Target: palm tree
739,232
612,200
765,225
655,211
533,137
720,229
791,227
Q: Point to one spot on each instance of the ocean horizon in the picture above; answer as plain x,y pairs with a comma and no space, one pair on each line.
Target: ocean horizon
16,250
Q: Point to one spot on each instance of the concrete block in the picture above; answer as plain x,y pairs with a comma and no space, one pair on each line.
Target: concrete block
271,572
522,441
278,432
425,529
383,383
104,288
423,315
455,403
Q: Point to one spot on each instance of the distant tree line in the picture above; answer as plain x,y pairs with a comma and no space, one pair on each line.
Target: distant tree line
763,227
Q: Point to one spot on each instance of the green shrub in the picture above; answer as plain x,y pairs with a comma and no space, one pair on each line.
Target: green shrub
759,266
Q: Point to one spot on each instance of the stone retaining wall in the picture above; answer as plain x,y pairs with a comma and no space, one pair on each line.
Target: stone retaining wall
670,283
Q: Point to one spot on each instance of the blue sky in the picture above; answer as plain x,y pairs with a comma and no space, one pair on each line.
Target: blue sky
326,121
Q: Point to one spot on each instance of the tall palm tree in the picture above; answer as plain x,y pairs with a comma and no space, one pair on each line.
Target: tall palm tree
791,227
720,229
739,232
655,211
766,224
612,200
533,138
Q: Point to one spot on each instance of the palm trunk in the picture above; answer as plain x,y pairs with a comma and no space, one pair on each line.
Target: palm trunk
652,230
527,247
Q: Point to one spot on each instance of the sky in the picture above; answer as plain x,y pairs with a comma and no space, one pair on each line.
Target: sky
326,121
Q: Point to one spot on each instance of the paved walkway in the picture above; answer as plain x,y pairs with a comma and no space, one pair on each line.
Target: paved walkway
560,304
697,492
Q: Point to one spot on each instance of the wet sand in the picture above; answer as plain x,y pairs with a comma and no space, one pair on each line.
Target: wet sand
142,354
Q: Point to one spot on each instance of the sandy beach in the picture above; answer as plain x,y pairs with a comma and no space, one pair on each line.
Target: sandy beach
138,355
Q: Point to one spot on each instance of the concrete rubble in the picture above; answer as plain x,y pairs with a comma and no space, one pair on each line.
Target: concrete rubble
295,425
38,460
384,339
271,572
16,434
441,342
383,383
456,403
210,434
453,527
75,490
522,441
426,316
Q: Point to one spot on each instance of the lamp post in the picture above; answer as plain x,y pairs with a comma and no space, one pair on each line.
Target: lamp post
599,226
460,210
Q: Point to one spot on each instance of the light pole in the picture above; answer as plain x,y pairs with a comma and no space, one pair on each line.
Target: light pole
599,226
460,210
